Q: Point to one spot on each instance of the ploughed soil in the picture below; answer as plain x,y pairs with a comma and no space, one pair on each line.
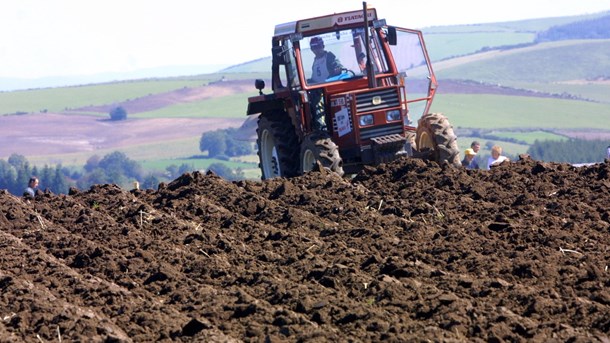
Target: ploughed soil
406,252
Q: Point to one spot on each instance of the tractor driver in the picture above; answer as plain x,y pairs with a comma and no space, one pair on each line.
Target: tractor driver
325,65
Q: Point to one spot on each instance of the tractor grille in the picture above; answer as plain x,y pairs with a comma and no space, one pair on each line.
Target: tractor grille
388,98
371,132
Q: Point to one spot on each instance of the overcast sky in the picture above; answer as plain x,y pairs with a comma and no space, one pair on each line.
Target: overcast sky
75,37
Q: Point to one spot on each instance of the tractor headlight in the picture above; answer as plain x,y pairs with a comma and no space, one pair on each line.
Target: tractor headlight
392,115
365,120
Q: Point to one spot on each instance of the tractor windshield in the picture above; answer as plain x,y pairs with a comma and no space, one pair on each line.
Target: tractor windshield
339,55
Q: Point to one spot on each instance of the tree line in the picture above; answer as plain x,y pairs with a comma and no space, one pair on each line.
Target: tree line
117,168
598,28
569,151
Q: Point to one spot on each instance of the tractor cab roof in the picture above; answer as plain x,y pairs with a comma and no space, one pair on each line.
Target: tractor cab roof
333,21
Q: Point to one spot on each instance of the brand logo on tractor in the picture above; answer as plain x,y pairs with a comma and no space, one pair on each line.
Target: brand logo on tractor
376,100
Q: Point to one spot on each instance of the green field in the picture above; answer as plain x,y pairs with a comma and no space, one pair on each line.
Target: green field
445,45
529,137
496,111
595,91
543,63
231,106
65,98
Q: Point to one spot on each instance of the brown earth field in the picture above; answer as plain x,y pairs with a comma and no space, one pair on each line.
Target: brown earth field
406,252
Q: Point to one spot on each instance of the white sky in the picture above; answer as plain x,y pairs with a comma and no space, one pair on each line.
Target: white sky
75,37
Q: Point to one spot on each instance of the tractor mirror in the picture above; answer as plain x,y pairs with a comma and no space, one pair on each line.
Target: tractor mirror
391,35
259,84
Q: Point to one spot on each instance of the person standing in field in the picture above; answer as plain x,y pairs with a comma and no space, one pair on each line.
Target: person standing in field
475,146
32,187
496,157
469,161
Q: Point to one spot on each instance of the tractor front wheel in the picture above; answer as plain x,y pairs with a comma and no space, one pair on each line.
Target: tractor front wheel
435,136
318,146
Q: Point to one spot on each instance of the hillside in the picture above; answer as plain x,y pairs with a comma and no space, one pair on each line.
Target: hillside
403,253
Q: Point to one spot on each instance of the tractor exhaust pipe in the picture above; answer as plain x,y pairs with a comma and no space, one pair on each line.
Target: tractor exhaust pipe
370,72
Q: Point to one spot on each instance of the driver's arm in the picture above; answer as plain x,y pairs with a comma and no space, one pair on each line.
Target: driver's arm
334,65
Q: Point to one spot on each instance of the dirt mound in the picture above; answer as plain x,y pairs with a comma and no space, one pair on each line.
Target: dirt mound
405,252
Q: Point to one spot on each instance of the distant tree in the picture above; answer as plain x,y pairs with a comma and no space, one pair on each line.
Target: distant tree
118,113
221,170
117,162
597,28
60,185
172,171
23,177
95,177
8,176
150,182
92,163
225,172
115,168
17,160
185,168
236,147
15,179
46,177
569,151
214,142
221,142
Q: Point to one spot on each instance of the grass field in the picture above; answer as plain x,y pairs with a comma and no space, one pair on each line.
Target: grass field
496,111
60,99
444,45
529,137
592,90
231,106
543,63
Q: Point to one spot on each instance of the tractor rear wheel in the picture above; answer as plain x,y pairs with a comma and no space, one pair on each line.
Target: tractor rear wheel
278,146
318,146
435,136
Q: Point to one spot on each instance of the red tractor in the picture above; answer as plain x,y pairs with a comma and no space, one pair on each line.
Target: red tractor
341,99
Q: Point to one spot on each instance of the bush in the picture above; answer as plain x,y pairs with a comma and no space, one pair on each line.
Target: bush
118,113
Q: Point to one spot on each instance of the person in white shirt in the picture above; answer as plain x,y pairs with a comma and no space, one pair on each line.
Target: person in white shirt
32,187
496,157
325,64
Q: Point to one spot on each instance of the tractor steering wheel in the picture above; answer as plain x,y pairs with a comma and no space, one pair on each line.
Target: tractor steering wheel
348,71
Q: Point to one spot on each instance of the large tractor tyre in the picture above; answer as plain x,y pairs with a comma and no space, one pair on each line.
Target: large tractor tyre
278,146
319,147
435,136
